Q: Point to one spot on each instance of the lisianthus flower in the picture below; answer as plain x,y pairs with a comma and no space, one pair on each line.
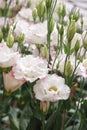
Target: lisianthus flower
52,88
82,69
25,13
30,68
7,56
38,32
10,83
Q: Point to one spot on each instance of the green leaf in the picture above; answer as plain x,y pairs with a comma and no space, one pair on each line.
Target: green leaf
14,122
54,122
23,124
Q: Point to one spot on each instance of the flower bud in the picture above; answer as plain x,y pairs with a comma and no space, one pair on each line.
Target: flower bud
71,30
61,9
29,3
10,39
81,20
85,40
44,52
51,26
1,35
68,68
76,15
77,45
44,106
61,31
41,9
34,14
10,83
21,38
48,3
17,2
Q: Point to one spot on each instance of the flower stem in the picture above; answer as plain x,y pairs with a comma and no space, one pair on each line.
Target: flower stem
43,122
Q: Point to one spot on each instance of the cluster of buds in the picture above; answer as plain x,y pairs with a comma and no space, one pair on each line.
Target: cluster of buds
41,10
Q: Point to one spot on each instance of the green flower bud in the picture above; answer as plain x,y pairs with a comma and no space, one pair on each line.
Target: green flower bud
10,39
21,38
34,14
41,9
71,30
17,1
51,26
85,41
44,52
77,45
61,9
1,35
76,15
81,20
29,3
61,31
68,68
48,3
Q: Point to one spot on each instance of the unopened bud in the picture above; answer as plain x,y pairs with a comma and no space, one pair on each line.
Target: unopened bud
44,106
85,40
21,38
41,9
10,39
17,2
44,52
1,35
61,9
29,3
34,14
77,45
48,3
76,15
71,30
68,68
51,25
61,31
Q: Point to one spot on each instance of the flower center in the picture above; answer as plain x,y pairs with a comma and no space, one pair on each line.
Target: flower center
53,88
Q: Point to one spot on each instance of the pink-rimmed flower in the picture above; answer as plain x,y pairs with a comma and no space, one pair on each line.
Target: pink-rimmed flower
30,68
52,88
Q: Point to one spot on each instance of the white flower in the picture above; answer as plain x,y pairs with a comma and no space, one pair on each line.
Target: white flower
10,83
82,69
30,68
38,33
51,88
26,13
7,56
34,33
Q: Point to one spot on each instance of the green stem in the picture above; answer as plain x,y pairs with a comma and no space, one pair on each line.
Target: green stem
43,122
48,42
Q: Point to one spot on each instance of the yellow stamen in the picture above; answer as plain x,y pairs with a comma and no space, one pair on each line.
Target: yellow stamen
53,88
